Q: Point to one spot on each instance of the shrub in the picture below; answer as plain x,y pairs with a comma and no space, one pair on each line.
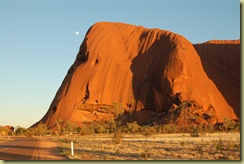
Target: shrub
148,130
116,121
70,127
230,146
237,146
228,124
20,131
133,127
84,130
237,126
29,133
195,133
118,109
184,129
219,145
59,123
101,128
112,126
210,128
169,128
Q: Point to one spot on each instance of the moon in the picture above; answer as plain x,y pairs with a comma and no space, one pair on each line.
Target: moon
77,33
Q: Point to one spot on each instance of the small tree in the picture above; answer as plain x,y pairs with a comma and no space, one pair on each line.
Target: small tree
59,124
116,122
41,129
20,131
118,109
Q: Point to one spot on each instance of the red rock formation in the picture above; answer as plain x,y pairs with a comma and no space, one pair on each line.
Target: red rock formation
8,128
221,61
144,69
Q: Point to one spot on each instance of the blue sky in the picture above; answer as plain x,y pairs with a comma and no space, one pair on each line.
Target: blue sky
38,41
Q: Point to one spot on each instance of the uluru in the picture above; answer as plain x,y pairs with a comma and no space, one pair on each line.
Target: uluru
153,74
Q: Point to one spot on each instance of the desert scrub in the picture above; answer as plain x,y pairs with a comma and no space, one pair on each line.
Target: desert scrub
169,128
148,130
101,128
64,149
63,152
230,146
85,130
219,145
133,127
228,124
195,133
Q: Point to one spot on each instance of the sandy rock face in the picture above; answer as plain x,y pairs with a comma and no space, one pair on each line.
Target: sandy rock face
143,69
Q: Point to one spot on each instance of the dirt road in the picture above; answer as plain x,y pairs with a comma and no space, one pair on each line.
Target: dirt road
48,150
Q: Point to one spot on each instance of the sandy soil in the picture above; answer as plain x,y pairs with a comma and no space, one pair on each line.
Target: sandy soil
215,146
47,150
